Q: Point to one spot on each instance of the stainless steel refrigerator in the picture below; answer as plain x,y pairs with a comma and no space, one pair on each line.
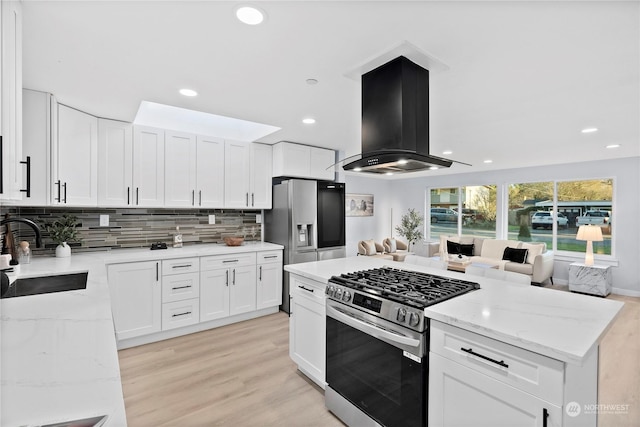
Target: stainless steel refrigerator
307,217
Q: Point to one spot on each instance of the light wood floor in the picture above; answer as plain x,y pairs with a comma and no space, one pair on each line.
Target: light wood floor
241,375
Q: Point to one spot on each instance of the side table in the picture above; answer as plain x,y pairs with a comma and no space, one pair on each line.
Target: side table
590,279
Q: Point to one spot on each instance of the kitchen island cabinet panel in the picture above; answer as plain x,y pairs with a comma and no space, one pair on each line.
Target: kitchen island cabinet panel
148,167
115,163
136,294
75,158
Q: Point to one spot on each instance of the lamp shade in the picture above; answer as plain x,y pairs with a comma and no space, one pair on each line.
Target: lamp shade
591,233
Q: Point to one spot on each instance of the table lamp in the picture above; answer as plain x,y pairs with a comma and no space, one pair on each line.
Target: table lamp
590,233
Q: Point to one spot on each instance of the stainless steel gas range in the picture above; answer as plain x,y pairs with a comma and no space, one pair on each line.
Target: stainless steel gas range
378,344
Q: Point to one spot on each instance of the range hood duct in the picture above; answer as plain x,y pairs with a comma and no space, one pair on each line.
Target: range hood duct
395,120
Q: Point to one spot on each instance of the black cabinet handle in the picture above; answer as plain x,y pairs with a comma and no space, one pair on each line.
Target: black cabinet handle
128,195
193,197
181,314
545,415
234,276
137,191
200,198
306,289
227,281
252,200
65,191
247,200
470,351
229,260
157,272
260,275
58,185
28,163
181,287
270,256
182,266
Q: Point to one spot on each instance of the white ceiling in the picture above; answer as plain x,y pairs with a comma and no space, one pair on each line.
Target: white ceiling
523,78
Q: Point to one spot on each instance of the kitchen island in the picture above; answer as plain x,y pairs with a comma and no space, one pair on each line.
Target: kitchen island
538,348
58,354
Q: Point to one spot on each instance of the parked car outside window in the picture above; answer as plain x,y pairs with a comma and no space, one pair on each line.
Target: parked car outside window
544,219
443,215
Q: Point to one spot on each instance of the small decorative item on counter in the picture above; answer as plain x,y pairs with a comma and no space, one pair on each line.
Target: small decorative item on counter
61,231
233,241
177,238
24,253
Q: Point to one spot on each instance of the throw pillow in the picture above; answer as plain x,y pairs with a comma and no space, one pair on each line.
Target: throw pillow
466,249
370,246
515,255
535,249
453,248
392,246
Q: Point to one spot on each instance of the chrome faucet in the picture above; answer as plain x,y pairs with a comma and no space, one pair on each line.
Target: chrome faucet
30,223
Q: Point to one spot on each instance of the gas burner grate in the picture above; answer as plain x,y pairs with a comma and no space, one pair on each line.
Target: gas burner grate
413,288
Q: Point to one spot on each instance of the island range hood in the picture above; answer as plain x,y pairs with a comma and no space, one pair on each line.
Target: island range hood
395,120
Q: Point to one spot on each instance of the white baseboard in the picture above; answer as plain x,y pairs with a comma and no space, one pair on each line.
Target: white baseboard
625,292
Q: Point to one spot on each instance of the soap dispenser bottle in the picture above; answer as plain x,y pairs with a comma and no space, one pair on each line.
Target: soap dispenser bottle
177,238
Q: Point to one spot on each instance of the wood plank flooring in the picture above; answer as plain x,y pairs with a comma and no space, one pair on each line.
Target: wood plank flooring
241,375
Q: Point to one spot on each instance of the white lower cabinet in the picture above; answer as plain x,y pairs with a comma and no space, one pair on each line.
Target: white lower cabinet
476,380
227,285
269,284
307,327
136,298
180,292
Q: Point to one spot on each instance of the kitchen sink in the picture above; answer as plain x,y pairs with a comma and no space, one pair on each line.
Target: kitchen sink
46,284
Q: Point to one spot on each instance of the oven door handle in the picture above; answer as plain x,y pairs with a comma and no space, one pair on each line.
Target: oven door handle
370,329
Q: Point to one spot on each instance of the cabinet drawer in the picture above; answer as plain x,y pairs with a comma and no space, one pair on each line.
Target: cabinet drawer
303,288
270,256
225,261
179,266
536,374
179,287
180,313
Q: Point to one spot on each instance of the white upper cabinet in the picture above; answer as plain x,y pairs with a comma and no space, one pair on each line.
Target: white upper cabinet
148,167
236,177
36,146
303,161
180,170
210,172
261,174
11,169
75,159
115,163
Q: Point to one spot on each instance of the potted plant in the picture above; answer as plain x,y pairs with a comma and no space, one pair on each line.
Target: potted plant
409,227
61,231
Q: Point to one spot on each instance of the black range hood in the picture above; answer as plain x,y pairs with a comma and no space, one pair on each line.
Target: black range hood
395,120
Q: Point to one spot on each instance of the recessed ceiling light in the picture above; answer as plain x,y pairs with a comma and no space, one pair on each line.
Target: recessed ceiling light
403,162
188,92
357,169
488,161
312,81
308,121
589,130
433,168
446,153
389,173
250,15
613,146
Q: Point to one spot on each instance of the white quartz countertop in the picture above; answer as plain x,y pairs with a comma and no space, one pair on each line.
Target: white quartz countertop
561,325
58,355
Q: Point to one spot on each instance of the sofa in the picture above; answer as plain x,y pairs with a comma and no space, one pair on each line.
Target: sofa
536,261
397,249
373,249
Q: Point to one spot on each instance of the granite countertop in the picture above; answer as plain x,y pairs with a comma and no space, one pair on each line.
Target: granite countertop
58,355
561,325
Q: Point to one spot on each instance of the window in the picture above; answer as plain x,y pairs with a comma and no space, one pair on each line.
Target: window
551,212
467,210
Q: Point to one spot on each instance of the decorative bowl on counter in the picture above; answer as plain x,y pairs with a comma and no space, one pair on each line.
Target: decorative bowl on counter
233,241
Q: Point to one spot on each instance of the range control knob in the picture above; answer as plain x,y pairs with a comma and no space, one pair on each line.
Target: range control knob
338,293
346,296
402,314
330,290
414,319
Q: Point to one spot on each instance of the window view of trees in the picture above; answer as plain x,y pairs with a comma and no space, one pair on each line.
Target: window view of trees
532,216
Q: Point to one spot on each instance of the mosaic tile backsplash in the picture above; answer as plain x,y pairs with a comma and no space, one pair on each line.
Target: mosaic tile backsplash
136,228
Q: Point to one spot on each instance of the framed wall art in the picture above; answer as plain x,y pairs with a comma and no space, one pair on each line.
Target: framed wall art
359,205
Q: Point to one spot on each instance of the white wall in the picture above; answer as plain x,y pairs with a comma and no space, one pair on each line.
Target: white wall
408,193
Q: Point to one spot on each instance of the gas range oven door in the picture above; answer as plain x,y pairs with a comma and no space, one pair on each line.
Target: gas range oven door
376,370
